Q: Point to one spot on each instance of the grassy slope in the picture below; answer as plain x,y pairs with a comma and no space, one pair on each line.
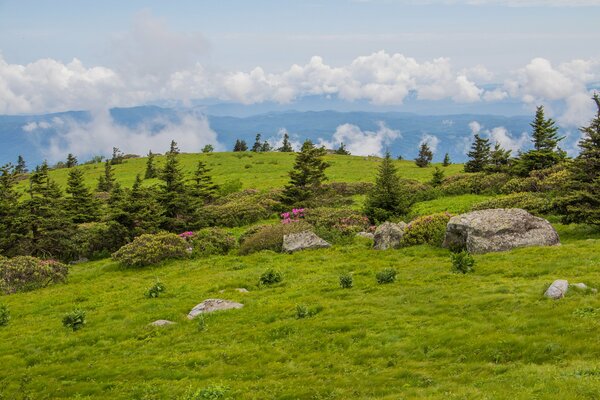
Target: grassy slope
432,334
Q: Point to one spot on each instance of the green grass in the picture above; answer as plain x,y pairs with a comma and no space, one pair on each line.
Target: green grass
254,170
451,204
431,334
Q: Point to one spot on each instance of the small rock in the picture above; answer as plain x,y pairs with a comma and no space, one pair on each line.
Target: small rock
580,286
303,241
388,235
558,289
241,290
210,305
161,322
367,235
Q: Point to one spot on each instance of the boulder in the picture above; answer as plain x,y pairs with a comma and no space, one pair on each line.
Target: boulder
161,322
302,241
210,305
498,229
366,235
388,235
557,290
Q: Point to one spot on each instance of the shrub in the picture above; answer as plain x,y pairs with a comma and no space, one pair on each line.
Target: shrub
155,290
335,224
386,275
535,203
151,249
4,315
477,183
462,262
95,240
74,320
348,188
429,229
24,273
270,237
238,209
346,281
301,311
270,277
211,241
209,393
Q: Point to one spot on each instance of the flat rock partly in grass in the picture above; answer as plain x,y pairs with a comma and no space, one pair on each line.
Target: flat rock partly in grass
210,305
558,289
161,322
388,235
366,235
303,241
498,229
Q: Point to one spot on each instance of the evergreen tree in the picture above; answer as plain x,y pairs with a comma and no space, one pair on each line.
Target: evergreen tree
307,176
71,161
582,203
286,146
265,147
240,145
425,156
387,198
209,148
140,212
203,186
107,180
479,156
9,201
342,150
173,192
117,156
21,167
447,161
173,149
81,205
257,144
499,159
438,177
150,167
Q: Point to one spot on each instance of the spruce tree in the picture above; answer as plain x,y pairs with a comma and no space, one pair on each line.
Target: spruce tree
307,175
425,156
141,212
150,167
499,159
265,147
203,187
71,161
9,201
479,156
342,150
173,149
81,205
240,145
173,192
437,177
582,203
257,144
447,161
286,147
117,156
106,181
387,198
21,167
209,148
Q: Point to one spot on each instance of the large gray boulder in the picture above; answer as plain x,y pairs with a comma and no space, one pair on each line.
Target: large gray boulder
388,235
558,289
302,241
498,229
211,305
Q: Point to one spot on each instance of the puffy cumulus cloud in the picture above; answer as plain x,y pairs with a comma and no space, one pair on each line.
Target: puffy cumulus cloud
101,133
431,140
499,135
359,142
475,127
277,140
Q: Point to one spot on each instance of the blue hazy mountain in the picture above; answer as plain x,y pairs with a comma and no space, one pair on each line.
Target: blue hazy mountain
231,122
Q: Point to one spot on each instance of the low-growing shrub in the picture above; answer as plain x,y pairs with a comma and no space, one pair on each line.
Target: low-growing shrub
386,275
429,229
151,249
238,209
24,273
270,237
95,240
462,262
211,241
535,203
270,277
4,315
476,183
74,320
301,311
217,392
346,281
155,290
335,224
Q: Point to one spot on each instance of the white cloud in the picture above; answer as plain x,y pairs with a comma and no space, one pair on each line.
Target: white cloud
497,134
475,127
359,142
277,141
431,140
101,133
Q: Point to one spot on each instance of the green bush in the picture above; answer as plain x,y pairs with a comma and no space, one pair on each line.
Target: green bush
151,249
301,311
386,275
217,392
476,183
429,229
270,237
74,320
155,290
4,315
95,240
346,281
535,203
462,262
270,277
238,209
24,273
336,224
211,241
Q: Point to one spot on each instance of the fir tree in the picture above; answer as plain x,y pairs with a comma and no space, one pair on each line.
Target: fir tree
71,161
203,186
21,167
265,147
173,149
342,150
387,198
286,147
81,205
209,148
117,156
499,159
437,177
479,156
240,145
425,156
307,176
447,161
173,192
141,212
150,167
107,180
257,144
9,201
